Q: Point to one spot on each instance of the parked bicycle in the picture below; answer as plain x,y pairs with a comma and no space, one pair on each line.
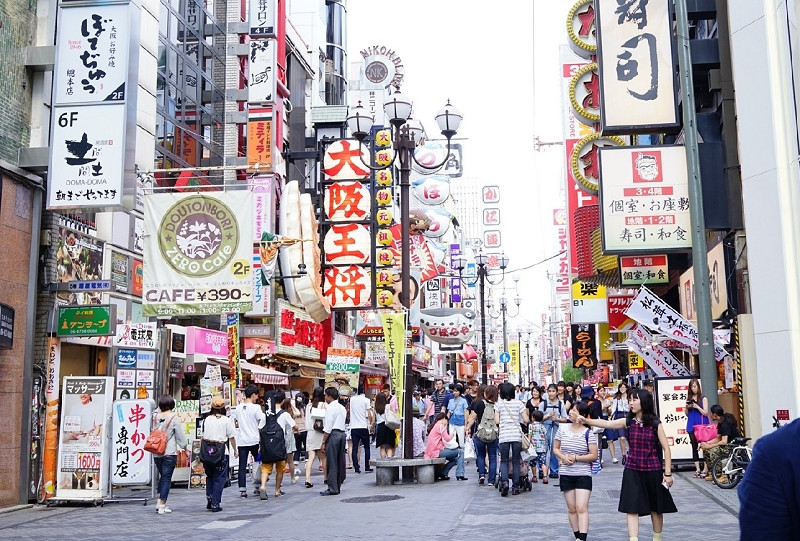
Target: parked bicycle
728,470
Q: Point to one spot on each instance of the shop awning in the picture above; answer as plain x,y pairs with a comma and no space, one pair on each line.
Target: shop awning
264,375
370,370
308,369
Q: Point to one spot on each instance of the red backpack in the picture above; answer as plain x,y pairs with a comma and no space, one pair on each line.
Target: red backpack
156,442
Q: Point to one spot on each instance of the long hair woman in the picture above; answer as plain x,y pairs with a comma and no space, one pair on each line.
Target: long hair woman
576,447
696,414
620,407
645,486
314,446
486,399
385,438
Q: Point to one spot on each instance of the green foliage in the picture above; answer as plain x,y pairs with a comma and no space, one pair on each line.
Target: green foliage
569,373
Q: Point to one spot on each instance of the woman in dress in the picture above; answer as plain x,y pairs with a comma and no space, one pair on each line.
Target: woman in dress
217,427
696,414
607,404
168,422
645,486
576,447
508,414
620,407
385,438
457,412
291,441
314,446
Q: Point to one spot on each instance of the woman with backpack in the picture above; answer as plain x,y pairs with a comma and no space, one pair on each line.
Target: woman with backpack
169,424
576,447
481,424
314,446
645,487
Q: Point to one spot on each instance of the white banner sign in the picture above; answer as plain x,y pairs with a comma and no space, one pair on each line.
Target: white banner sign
263,71
263,14
198,255
663,363
92,55
131,421
670,396
644,199
649,310
87,156
637,71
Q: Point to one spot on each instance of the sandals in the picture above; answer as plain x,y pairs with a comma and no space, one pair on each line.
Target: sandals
698,475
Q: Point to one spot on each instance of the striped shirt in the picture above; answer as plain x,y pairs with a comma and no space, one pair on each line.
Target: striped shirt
510,418
575,443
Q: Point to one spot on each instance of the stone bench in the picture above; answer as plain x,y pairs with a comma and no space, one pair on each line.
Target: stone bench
387,470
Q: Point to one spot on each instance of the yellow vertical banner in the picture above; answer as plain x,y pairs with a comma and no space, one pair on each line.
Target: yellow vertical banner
394,333
603,338
513,365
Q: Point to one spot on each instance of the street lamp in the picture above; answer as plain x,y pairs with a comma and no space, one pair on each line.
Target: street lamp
407,132
482,261
504,312
527,330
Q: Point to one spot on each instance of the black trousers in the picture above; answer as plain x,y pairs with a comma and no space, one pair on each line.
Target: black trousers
335,457
360,435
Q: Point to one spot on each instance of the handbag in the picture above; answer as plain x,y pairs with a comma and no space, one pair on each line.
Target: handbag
391,420
156,442
453,443
317,413
211,452
469,450
705,432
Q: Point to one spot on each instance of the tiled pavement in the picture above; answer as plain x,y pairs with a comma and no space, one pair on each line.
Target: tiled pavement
441,511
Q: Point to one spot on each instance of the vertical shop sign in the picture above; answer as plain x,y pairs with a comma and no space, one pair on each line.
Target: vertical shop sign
131,422
234,363
670,396
119,271
584,347
52,402
82,458
263,17
394,332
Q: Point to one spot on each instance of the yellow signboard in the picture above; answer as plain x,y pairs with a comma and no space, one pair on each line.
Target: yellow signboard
513,365
635,362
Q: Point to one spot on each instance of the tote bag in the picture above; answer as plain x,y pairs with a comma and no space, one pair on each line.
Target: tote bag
705,432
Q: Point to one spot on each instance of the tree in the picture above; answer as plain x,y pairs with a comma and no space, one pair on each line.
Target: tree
569,373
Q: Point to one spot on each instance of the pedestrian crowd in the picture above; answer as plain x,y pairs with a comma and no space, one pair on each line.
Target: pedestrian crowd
517,437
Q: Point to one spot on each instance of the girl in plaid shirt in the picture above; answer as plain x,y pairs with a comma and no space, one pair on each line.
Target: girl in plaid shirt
645,489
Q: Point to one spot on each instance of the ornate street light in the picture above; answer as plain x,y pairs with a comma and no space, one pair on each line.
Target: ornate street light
406,133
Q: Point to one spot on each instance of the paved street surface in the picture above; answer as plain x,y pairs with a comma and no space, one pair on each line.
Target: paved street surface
363,511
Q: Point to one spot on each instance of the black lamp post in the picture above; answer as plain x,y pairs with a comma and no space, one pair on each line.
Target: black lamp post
406,133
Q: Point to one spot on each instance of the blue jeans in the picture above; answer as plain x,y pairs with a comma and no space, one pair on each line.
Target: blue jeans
216,475
481,448
455,457
165,466
515,447
244,452
551,438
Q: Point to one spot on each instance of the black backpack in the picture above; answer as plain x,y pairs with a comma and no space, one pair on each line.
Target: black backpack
273,440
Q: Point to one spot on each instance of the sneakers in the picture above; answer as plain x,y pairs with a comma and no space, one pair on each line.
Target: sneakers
553,476
164,510
504,490
624,459
481,480
295,479
515,492
614,460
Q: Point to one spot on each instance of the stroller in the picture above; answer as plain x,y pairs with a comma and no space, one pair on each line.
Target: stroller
525,466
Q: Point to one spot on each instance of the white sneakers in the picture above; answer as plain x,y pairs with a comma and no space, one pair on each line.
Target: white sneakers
162,509
614,460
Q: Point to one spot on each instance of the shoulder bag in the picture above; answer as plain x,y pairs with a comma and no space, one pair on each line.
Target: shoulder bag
705,432
391,420
525,442
211,452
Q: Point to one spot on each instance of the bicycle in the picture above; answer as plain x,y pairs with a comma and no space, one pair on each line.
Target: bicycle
731,468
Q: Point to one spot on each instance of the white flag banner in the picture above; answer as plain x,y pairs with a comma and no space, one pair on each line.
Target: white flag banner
657,357
649,310
198,253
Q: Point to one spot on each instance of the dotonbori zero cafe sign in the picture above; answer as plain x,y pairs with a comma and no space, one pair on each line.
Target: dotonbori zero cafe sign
197,258
635,52
644,199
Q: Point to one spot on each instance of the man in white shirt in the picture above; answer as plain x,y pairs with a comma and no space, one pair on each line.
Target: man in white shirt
333,439
249,419
361,418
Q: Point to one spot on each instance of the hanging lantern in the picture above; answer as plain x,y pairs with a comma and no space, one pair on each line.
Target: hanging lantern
385,257
383,138
384,237
384,197
385,297
384,157
384,277
383,177
384,216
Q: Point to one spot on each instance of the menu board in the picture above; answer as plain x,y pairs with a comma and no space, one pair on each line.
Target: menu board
670,398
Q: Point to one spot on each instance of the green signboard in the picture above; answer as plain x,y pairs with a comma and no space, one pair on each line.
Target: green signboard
95,320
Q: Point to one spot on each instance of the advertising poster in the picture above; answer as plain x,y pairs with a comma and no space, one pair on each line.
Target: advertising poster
144,378
197,474
394,329
50,460
341,370
119,271
126,378
79,258
82,457
670,395
198,262
131,422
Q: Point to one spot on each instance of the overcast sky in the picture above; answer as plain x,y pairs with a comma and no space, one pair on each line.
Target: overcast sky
498,62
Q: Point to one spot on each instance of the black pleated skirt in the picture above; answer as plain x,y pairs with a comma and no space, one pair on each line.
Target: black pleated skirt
642,493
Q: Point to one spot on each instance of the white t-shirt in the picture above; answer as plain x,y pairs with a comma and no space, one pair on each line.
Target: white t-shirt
359,406
286,421
250,418
218,429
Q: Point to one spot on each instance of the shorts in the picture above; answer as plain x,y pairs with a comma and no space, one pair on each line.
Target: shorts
280,466
571,482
